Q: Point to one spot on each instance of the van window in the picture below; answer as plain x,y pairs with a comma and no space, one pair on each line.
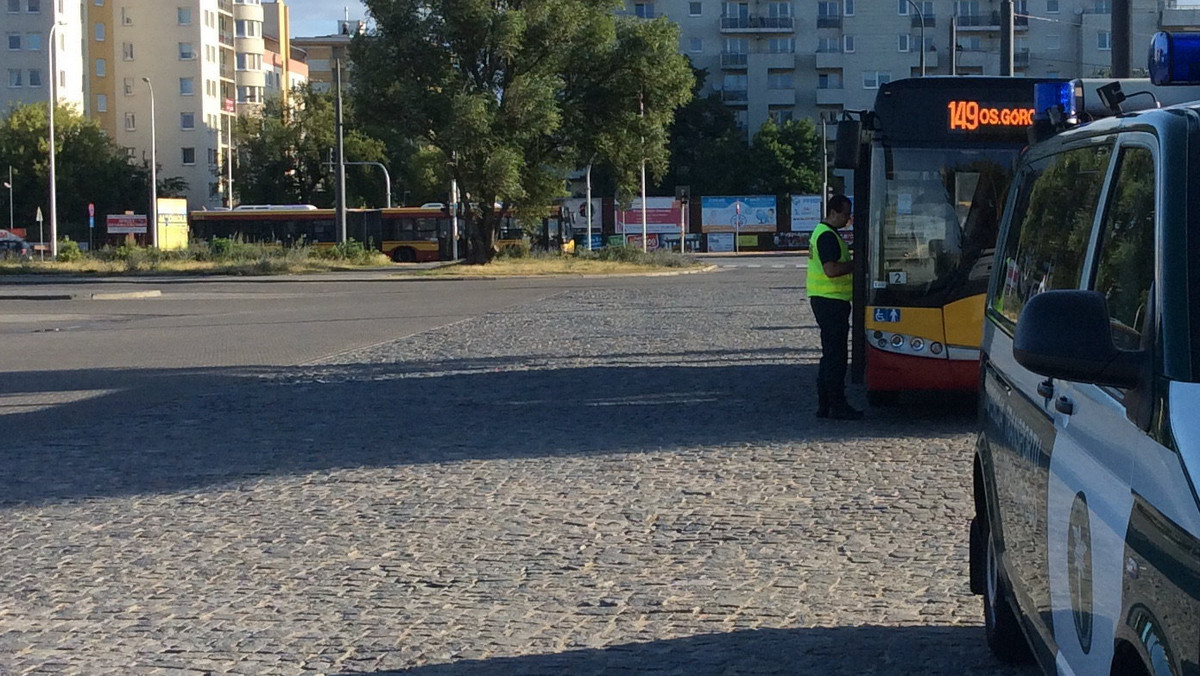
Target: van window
1051,223
1125,264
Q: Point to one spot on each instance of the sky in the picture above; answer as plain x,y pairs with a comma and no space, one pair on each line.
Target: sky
320,17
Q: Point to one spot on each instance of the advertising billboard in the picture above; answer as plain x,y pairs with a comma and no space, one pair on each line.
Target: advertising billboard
662,216
754,213
806,213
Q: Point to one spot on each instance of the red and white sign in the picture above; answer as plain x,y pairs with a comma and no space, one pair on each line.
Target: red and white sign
230,106
662,217
126,224
91,209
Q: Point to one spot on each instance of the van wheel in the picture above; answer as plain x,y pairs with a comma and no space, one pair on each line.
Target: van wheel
1004,637
882,398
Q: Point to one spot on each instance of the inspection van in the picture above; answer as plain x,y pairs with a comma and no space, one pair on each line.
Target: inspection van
1085,543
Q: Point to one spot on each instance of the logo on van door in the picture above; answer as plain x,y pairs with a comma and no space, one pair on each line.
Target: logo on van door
1079,570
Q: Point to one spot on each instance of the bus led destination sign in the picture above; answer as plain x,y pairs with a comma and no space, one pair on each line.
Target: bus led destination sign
971,116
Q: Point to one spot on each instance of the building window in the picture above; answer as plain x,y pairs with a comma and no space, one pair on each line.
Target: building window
14,41
35,77
1052,6
873,78
244,28
127,51
187,86
33,6
128,84
780,115
695,45
98,32
971,43
904,43
847,43
14,6
781,45
184,16
1103,7
186,52
1104,40
101,68
101,103
831,80
126,17
779,10
643,10
827,9
33,42
187,121
14,77
848,7
130,122
188,156
779,78
826,45
694,8
213,156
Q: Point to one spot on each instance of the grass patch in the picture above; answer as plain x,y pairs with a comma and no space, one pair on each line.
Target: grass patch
609,261
220,257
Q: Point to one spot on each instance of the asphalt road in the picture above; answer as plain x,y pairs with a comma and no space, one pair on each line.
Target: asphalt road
357,474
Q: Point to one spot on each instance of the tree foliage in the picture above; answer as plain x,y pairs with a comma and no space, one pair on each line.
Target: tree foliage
89,168
787,158
513,94
283,154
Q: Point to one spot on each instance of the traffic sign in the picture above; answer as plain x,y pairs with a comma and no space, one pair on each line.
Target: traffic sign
91,210
38,218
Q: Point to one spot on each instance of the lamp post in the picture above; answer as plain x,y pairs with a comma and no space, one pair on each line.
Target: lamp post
52,104
9,185
921,18
152,221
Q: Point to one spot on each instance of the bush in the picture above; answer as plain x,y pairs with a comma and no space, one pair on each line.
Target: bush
632,254
69,251
514,250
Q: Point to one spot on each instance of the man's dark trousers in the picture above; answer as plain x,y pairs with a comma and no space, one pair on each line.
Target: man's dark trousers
833,317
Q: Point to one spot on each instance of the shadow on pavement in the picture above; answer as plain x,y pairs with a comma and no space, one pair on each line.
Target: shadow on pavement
925,651
167,430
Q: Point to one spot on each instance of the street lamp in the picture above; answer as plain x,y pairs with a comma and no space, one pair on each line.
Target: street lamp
53,103
921,18
9,185
152,222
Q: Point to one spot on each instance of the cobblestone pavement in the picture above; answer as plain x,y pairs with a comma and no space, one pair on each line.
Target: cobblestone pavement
620,479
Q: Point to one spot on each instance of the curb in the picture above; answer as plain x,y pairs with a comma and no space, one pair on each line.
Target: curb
402,277
126,295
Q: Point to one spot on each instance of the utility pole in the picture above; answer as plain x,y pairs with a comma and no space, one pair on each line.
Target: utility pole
1121,20
1006,38
340,210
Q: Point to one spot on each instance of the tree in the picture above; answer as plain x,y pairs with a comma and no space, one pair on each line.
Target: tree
708,150
284,154
514,93
89,168
787,158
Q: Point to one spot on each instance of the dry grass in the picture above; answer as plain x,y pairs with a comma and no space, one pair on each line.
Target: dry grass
534,267
265,266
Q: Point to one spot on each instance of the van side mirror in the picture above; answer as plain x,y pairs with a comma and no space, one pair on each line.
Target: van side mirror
1067,334
846,148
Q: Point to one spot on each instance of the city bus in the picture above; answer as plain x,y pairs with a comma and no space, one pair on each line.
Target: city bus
932,165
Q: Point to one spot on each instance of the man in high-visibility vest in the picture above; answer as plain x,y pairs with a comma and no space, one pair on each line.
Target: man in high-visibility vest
830,286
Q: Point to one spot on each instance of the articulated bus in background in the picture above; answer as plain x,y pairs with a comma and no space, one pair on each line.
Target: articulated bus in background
933,163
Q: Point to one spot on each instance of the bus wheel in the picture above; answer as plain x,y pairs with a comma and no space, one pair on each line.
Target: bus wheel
403,254
1000,626
881,398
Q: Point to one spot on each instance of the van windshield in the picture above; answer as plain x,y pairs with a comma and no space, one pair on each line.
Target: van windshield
934,222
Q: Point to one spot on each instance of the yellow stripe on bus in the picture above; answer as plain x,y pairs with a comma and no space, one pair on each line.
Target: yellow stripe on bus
959,323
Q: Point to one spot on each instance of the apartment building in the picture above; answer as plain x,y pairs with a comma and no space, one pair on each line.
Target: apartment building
25,59
781,59
325,50
285,66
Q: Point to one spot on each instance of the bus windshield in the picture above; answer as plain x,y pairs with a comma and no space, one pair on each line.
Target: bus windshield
936,213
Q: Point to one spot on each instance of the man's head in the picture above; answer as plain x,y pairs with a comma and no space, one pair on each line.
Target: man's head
838,212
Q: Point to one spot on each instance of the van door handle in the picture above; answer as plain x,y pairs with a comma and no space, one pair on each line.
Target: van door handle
1064,406
1045,389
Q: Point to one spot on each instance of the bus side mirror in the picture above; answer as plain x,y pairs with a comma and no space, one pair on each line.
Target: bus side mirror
849,141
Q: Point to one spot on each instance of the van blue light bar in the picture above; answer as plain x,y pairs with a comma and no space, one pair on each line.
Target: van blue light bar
1175,58
1051,96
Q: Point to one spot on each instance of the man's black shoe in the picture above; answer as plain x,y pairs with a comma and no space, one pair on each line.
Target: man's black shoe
823,412
845,413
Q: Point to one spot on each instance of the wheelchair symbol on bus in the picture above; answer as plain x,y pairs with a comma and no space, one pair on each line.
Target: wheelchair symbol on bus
887,315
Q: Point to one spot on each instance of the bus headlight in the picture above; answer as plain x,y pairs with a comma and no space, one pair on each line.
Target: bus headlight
917,344
881,342
935,348
897,341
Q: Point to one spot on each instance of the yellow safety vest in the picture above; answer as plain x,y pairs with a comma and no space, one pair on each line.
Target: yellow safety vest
820,284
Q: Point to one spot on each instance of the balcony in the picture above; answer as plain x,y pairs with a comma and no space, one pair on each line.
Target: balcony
735,95
758,24
924,21
1021,59
830,60
775,60
1187,18
831,96
226,39
733,61
829,22
225,6
780,97
990,22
